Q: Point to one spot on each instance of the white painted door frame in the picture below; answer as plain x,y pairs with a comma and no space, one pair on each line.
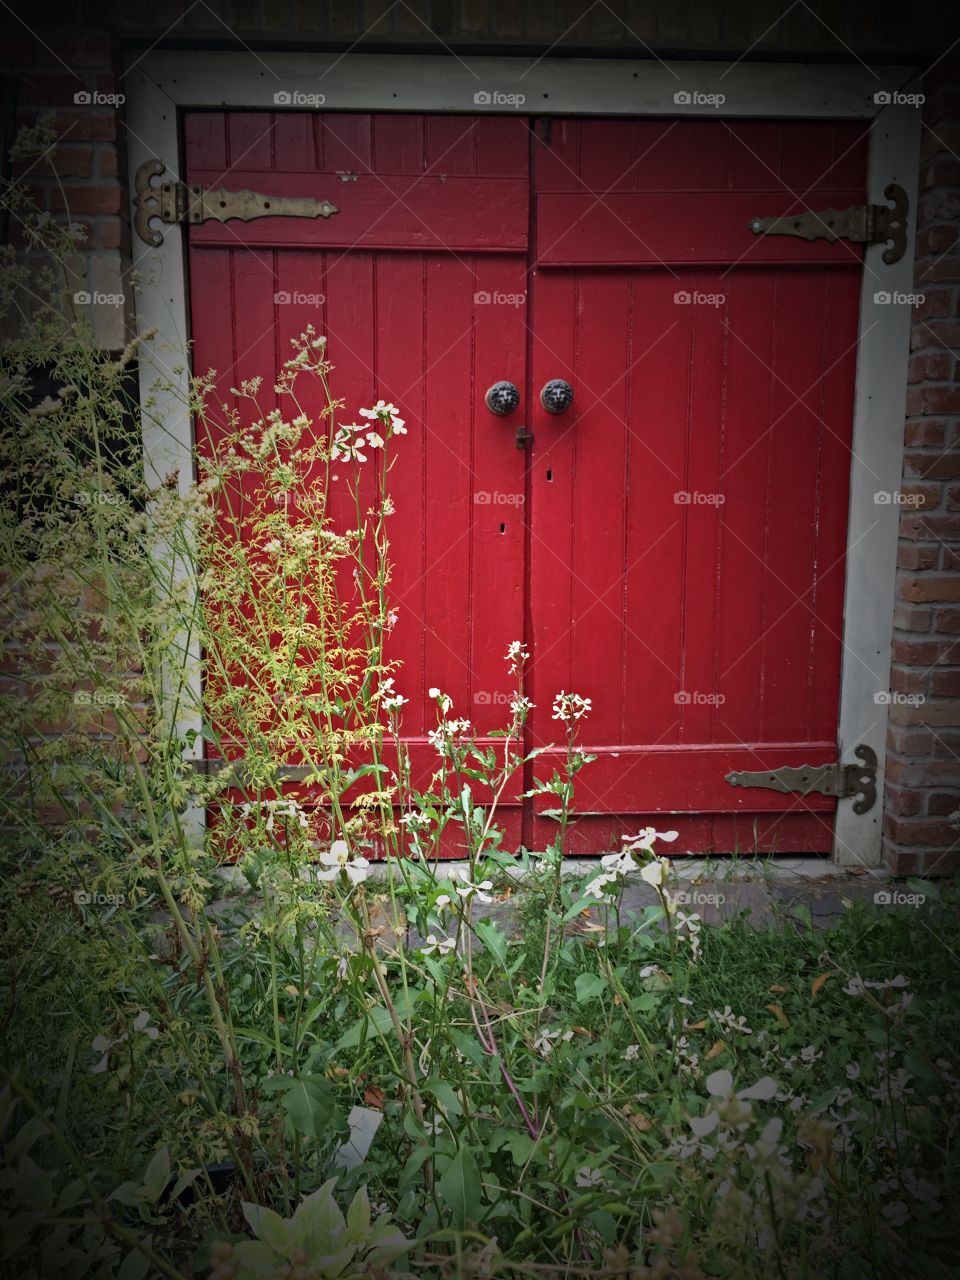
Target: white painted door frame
161,84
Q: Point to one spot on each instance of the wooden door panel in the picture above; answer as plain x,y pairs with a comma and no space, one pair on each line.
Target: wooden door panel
695,592
411,326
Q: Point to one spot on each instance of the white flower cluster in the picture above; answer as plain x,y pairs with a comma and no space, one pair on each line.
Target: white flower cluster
570,707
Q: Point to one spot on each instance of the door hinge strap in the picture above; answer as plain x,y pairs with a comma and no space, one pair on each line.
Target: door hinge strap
840,780
178,202
861,223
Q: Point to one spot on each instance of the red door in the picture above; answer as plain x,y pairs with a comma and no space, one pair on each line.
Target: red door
705,627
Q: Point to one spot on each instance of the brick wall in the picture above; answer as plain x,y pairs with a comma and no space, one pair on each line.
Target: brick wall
65,47
922,820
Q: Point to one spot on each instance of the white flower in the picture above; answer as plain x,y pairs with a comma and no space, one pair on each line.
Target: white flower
388,414
374,440
394,702
655,871
619,863
720,1085
644,839
273,547
443,901
597,887
631,1052
433,693
543,1044
516,655
438,946
467,891
588,1177
853,1070
338,860
570,707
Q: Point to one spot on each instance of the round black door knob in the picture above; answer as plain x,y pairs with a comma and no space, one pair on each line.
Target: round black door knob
556,396
502,398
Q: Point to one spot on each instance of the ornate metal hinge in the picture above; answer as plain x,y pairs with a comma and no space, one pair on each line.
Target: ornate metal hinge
839,780
174,202
862,223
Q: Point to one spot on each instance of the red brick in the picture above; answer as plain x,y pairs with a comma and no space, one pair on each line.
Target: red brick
114,233
943,171
908,679
947,620
928,587
902,803
924,432
932,465
950,558
931,367
944,803
939,205
945,684
953,497
941,713
936,303
53,88
910,741
919,496
934,862
945,270
935,241
923,527
920,831
925,653
922,773
927,399
90,123
907,618
917,555
102,198
946,333
107,167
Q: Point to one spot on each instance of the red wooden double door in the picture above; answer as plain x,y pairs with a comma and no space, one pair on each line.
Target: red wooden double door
672,545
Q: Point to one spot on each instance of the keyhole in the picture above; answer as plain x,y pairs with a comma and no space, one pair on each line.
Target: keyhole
549,474
503,528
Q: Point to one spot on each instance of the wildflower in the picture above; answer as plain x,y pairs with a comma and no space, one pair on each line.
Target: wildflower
570,707
388,414
516,655
631,1051
438,946
273,547
587,1177
337,859
619,863
374,439
654,872
544,1041
730,1020
479,891
597,887
443,901
520,706
446,702
644,839
853,1070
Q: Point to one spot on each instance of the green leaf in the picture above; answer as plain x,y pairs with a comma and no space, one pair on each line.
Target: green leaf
459,1185
494,939
444,1094
589,986
377,1019
134,1266
157,1175
309,1105
358,1215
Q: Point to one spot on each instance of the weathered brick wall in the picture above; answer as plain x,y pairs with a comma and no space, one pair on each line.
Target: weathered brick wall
65,47
922,822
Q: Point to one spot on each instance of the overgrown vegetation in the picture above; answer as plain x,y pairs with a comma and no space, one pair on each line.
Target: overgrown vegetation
255,1073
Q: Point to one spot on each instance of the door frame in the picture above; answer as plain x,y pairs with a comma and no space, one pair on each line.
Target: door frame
161,84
